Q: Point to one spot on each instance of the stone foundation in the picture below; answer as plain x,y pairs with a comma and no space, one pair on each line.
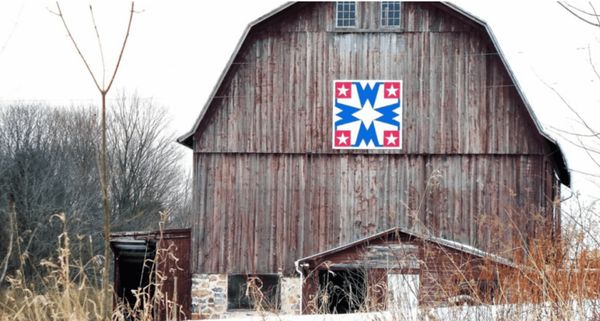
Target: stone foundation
291,295
209,296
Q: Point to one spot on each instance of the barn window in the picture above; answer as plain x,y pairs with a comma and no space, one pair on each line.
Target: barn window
345,14
247,292
390,13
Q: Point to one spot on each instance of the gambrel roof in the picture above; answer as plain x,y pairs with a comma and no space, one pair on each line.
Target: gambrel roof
561,168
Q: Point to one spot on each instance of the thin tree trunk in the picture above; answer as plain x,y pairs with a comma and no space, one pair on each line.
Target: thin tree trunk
103,90
106,211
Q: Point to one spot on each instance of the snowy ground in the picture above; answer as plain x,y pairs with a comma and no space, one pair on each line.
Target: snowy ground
575,311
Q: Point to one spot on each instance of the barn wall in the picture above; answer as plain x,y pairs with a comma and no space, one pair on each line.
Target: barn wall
458,98
269,189
260,212
446,274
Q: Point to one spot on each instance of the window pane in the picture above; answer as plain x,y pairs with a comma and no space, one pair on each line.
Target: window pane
346,13
390,13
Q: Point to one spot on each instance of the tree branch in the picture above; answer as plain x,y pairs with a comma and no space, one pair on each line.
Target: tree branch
592,63
566,7
581,119
574,133
62,18
595,14
122,48
99,46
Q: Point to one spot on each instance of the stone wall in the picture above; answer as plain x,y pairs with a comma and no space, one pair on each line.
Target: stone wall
291,295
209,296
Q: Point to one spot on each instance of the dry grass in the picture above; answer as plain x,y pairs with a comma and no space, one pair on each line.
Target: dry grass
63,290
66,289
552,280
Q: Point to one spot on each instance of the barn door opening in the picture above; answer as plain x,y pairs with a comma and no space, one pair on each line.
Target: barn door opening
133,265
342,291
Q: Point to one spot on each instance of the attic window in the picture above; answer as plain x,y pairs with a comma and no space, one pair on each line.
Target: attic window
345,14
390,13
247,292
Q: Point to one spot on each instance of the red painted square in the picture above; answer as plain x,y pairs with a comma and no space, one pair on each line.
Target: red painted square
391,138
342,138
343,90
391,90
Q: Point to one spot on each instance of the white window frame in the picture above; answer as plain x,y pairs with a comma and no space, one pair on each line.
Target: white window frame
337,11
385,20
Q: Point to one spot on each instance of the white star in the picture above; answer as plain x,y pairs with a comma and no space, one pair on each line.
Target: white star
392,90
342,91
391,139
367,114
342,139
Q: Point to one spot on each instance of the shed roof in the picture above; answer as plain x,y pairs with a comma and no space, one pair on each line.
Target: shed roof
556,154
399,230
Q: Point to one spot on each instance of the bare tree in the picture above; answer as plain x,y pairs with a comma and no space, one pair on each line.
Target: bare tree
103,89
590,17
144,162
48,162
581,214
588,136
46,156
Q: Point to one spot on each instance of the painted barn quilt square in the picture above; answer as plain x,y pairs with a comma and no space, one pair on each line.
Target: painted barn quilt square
367,114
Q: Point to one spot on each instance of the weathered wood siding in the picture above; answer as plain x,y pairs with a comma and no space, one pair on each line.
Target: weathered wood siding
444,272
269,189
260,212
458,98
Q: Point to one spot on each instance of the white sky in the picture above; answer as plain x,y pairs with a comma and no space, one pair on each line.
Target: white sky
177,50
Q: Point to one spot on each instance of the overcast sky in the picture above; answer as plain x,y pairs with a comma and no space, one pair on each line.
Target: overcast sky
177,50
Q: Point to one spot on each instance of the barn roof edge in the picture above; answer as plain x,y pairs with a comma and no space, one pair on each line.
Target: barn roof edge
432,239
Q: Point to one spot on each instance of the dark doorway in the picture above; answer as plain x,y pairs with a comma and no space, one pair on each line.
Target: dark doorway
133,268
133,264
342,291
